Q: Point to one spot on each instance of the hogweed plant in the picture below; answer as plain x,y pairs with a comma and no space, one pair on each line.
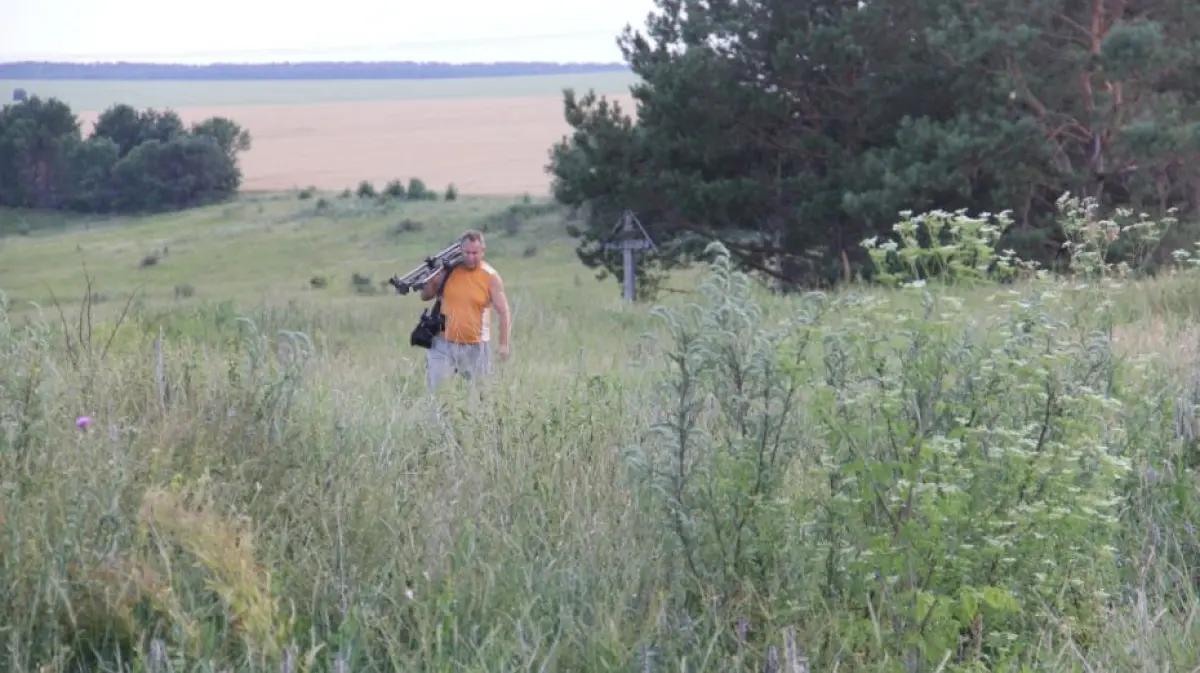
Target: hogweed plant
971,483
1090,238
951,246
955,247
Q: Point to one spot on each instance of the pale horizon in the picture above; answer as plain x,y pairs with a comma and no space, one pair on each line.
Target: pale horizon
272,31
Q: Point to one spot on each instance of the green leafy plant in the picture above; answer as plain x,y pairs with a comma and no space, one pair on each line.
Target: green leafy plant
949,246
971,476
728,433
1092,240
957,472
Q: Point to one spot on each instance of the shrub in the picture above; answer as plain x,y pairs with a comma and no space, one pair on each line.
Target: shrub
362,284
394,190
405,226
417,191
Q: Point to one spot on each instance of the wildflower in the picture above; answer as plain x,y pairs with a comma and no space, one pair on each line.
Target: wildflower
82,422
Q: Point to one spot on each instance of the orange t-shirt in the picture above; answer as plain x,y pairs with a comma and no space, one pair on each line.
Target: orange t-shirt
466,302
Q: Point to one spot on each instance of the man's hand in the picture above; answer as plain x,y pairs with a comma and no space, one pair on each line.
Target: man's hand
431,285
500,301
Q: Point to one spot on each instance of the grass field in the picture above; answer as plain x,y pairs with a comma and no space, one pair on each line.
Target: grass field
488,135
947,478
270,483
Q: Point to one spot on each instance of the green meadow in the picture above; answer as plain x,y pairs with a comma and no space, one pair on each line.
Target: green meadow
960,476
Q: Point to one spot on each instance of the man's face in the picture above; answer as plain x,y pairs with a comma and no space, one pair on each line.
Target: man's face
472,254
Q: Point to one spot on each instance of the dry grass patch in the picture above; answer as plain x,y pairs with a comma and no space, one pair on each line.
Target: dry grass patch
1160,337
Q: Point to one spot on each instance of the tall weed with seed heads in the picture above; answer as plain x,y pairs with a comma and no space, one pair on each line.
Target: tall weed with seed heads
728,430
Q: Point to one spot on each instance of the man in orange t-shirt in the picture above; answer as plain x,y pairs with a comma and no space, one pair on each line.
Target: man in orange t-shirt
474,288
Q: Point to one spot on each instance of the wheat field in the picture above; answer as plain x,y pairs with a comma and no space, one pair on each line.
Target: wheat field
484,146
488,136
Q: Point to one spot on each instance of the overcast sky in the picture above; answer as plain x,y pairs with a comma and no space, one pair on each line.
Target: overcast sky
280,30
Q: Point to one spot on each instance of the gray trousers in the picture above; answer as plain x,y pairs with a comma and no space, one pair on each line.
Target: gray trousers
447,358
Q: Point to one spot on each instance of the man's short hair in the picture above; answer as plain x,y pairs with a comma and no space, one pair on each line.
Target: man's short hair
473,235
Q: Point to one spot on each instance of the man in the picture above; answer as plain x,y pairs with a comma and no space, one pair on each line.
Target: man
474,288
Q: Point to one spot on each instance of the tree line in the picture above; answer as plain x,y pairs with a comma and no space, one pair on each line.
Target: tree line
791,131
131,162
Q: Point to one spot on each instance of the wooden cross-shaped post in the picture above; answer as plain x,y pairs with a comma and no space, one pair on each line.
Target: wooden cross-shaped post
628,243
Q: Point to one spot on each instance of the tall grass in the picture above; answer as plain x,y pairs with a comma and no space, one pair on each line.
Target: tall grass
955,476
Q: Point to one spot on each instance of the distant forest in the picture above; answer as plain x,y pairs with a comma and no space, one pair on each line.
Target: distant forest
28,70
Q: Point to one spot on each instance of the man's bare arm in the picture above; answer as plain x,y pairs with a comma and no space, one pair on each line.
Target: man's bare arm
431,286
500,301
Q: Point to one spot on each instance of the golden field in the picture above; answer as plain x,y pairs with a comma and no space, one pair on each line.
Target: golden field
487,136
483,146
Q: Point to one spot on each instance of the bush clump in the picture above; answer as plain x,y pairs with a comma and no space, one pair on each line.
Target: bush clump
899,477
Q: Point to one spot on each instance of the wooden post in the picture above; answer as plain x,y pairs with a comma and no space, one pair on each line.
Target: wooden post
627,244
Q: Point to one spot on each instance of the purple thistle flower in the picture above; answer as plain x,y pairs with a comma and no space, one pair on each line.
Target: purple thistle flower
82,422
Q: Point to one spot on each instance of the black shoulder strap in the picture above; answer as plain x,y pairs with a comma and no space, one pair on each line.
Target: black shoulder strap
442,286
